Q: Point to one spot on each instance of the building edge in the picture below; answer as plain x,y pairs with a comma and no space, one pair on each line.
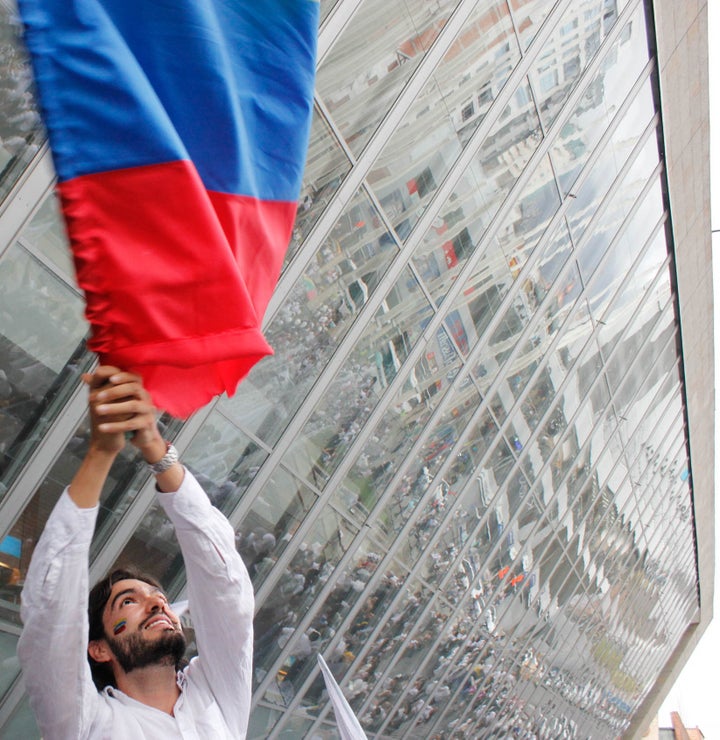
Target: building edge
681,38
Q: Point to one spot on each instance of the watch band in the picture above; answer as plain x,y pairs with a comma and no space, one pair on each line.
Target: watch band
166,461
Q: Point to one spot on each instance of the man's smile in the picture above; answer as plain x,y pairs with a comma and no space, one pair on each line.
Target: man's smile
161,621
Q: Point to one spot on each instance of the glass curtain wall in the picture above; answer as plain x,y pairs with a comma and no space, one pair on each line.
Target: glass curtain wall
463,477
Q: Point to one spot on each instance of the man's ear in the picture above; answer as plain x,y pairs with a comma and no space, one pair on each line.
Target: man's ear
99,651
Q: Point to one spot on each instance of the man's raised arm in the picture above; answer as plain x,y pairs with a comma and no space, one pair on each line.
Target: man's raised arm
55,594
221,602
219,588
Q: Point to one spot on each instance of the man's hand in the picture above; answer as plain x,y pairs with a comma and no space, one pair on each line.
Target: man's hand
118,405
102,438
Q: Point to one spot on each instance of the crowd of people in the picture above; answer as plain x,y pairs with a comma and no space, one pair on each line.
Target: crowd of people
20,128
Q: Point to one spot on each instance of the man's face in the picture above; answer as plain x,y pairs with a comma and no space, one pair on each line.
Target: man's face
140,627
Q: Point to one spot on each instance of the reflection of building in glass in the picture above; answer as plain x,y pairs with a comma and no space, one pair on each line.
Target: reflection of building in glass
678,730
465,475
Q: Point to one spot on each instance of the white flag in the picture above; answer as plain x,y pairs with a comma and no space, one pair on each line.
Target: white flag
348,723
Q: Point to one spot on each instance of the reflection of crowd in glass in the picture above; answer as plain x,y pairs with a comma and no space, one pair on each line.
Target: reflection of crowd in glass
276,622
309,326
19,120
484,667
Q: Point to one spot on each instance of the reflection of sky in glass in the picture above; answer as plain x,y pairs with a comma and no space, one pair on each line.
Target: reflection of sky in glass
632,141
603,96
375,56
452,105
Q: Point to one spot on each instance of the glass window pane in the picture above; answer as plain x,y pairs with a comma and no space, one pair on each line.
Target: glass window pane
262,721
604,94
349,590
40,360
9,618
420,636
529,217
325,168
312,564
372,60
21,133
570,48
296,727
399,429
367,675
428,487
22,723
370,368
474,70
569,157
625,250
224,460
592,249
529,15
453,104
29,291
272,521
641,280
313,320
538,399
46,234
462,224
326,7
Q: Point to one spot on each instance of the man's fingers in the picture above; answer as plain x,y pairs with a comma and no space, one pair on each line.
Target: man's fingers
126,405
113,393
101,376
111,376
121,376
126,419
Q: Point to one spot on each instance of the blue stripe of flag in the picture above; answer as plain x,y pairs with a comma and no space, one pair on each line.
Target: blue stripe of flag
225,83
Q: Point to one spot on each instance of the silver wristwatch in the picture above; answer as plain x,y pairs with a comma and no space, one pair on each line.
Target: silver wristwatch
166,461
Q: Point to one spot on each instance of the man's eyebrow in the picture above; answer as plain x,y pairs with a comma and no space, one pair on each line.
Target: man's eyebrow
124,592
132,591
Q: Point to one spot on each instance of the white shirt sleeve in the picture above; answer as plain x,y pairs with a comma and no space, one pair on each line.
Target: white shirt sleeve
53,645
221,600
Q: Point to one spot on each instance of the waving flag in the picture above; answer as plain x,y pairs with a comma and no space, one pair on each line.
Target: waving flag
179,133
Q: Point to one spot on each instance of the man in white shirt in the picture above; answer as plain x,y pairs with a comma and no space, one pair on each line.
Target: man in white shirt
135,636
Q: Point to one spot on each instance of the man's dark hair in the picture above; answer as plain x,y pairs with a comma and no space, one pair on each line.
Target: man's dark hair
102,673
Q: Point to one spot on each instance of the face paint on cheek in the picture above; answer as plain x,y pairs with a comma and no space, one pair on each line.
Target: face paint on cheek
119,627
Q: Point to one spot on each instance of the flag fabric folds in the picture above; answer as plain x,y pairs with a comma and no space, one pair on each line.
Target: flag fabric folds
179,133
348,724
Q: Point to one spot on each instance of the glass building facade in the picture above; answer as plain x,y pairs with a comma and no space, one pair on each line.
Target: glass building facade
464,477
